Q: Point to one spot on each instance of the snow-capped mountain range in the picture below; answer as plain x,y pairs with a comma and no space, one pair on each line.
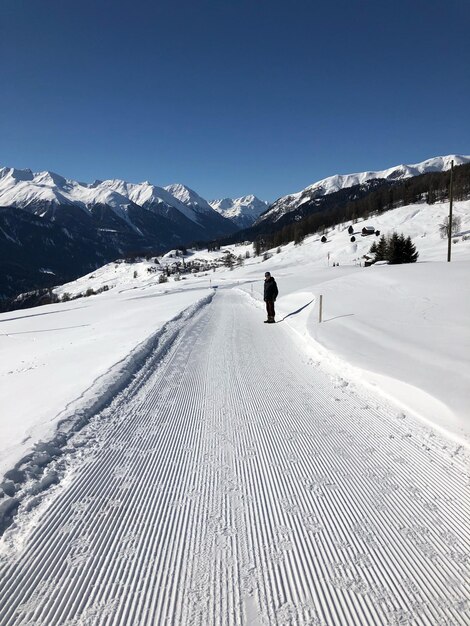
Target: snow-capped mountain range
27,190
53,229
243,211
335,183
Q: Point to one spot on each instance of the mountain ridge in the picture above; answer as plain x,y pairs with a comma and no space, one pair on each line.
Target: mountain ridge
93,223
337,182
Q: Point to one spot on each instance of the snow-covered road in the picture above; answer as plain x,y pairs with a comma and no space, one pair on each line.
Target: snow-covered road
236,482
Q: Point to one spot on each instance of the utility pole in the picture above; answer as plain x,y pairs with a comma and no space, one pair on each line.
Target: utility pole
449,241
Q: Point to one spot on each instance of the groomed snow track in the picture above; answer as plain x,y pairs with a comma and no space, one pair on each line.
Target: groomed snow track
240,484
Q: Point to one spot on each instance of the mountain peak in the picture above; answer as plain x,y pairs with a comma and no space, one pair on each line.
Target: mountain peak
189,197
50,179
223,204
16,174
243,211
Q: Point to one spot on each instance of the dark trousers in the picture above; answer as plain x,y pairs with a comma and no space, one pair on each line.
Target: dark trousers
270,308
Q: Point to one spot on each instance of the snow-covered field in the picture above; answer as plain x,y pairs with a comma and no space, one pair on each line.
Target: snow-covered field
200,467
403,329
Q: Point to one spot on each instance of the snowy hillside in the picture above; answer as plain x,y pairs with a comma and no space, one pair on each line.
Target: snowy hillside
335,183
160,431
366,308
242,211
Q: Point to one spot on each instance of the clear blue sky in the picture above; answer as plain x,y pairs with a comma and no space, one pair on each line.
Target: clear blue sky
231,97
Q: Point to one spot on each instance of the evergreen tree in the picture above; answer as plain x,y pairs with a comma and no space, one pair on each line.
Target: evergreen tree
229,260
410,254
395,249
382,249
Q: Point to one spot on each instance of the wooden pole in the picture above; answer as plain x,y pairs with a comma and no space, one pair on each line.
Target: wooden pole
449,240
320,312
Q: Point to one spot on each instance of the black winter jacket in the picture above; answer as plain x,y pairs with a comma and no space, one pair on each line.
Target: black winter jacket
270,290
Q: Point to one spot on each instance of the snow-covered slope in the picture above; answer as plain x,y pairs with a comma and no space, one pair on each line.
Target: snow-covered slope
242,211
418,221
335,183
384,318
296,473
229,479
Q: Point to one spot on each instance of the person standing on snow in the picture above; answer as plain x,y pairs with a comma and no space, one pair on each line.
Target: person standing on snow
270,295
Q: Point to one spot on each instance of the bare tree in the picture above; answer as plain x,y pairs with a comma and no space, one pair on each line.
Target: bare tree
444,227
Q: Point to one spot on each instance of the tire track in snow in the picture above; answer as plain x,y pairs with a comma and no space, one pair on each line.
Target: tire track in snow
237,484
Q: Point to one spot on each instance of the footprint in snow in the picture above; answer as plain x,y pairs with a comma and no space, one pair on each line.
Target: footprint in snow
78,560
121,471
80,544
362,560
81,506
43,591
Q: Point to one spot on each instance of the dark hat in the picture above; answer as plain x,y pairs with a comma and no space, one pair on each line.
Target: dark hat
267,273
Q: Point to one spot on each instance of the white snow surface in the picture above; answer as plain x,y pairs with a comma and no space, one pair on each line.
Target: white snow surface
403,329
56,353
297,473
331,184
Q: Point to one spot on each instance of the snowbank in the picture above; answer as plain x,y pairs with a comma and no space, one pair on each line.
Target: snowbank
404,329
53,354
